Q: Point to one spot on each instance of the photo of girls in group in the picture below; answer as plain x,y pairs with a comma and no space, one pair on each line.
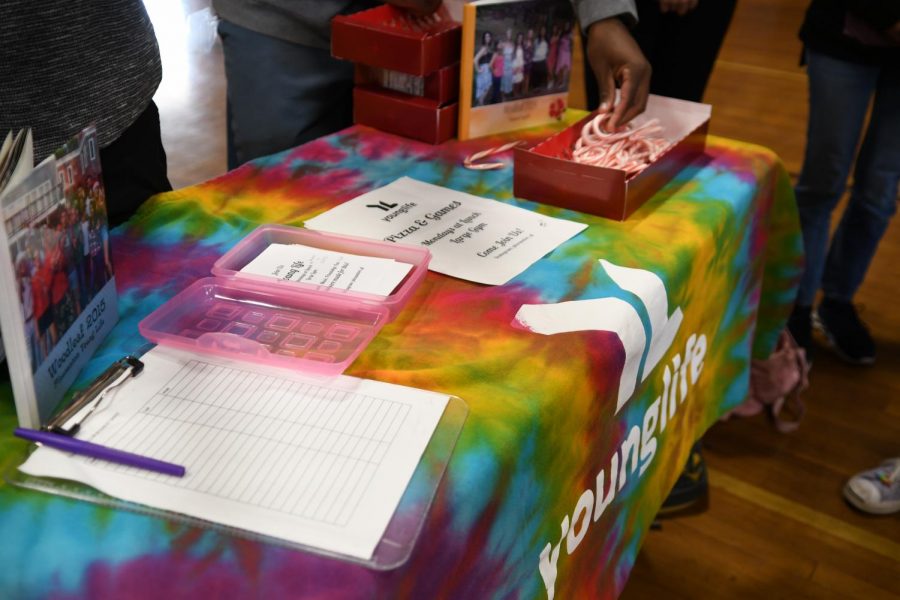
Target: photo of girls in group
58,243
522,49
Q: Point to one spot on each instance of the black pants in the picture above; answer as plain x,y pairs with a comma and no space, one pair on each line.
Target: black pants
134,167
681,50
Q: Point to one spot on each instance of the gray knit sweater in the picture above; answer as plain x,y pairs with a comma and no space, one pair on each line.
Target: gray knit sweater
67,63
308,22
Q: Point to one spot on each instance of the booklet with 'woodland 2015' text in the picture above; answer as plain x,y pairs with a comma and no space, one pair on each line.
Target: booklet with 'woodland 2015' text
57,291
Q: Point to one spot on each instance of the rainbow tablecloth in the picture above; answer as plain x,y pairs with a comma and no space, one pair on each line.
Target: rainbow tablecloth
549,490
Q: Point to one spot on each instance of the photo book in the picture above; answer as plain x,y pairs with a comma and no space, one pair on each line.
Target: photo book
516,63
57,291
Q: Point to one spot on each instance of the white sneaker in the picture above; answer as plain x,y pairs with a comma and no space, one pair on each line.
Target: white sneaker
877,490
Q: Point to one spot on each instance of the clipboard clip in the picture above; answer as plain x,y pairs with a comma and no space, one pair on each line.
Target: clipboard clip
86,402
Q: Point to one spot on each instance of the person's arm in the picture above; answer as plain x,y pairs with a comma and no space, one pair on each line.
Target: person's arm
590,11
615,57
880,14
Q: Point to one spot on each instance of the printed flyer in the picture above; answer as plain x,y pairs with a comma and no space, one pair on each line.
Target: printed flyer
472,238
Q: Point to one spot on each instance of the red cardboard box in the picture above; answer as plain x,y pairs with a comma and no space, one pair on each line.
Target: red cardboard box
391,38
542,174
441,86
410,116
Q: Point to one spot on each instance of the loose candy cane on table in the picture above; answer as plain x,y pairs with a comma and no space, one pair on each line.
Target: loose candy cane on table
470,163
629,149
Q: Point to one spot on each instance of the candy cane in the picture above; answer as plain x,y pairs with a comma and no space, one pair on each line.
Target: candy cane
469,161
629,149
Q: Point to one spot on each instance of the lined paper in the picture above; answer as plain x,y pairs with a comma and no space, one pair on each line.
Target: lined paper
320,463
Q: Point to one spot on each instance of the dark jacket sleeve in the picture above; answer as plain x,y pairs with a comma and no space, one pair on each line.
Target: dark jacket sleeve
591,11
880,14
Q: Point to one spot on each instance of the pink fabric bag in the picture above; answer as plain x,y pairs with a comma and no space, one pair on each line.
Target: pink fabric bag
776,384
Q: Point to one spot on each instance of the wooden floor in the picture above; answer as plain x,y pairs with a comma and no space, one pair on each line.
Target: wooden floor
776,526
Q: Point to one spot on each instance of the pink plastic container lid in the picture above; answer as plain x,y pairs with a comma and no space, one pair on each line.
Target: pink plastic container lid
268,324
231,263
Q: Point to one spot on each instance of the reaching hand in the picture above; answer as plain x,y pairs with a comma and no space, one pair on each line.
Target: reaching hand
616,58
679,7
417,7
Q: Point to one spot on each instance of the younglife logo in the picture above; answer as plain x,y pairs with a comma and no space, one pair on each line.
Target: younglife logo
617,316
638,449
382,205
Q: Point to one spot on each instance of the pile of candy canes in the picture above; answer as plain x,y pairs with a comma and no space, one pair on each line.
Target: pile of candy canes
629,149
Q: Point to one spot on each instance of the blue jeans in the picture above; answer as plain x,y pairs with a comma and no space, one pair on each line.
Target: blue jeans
280,94
839,95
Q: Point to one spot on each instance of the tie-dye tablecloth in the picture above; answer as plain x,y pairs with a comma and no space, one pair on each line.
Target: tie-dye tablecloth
549,489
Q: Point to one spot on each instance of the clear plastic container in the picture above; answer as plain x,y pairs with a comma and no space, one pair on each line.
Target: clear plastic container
288,324
231,263
268,325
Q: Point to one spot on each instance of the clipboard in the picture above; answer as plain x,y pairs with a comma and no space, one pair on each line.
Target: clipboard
396,543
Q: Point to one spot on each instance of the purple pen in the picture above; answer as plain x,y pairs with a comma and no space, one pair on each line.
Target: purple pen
76,446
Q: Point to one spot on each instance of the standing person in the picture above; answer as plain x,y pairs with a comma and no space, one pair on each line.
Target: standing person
681,39
41,280
70,257
482,62
65,64
552,55
564,57
518,74
539,61
98,246
60,294
86,220
528,50
54,283
24,272
76,251
283,86
497,67
853,58
507,48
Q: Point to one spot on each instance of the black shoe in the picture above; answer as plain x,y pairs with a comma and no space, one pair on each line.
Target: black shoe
800,326
847,335
691,491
